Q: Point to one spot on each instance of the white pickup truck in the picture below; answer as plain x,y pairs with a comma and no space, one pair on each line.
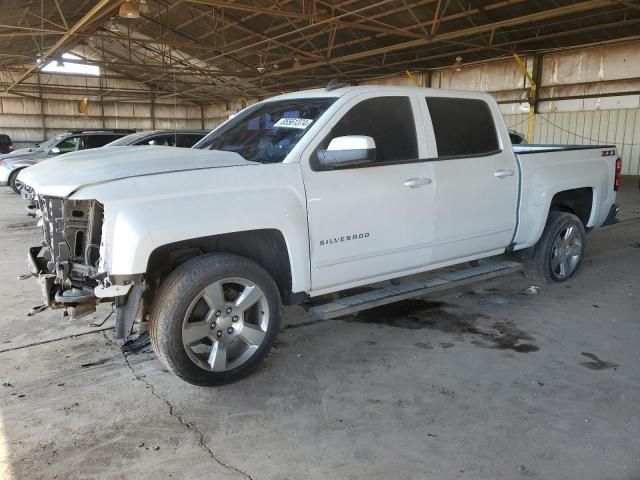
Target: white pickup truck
298,196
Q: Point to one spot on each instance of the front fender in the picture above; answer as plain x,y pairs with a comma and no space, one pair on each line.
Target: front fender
144,213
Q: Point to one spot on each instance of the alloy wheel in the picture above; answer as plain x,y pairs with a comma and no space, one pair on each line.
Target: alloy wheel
566,252
225,324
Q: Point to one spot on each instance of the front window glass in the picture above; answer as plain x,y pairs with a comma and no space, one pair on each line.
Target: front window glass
389,121
267,132
71,144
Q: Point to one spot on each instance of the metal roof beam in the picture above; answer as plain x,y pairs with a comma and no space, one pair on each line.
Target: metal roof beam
303,16
533,17
442,20
86,19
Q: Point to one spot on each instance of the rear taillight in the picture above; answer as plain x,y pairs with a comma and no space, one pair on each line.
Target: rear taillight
11,148
618,178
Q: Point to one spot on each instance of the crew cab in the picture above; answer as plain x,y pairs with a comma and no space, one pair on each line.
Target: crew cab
302,195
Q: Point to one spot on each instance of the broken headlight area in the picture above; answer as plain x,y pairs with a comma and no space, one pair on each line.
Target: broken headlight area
67,262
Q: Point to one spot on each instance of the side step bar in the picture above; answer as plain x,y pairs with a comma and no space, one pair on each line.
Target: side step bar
436,283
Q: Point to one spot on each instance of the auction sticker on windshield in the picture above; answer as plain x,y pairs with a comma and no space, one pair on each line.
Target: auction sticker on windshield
300,123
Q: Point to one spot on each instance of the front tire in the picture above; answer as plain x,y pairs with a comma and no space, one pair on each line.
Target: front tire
559,252
215,318
15,184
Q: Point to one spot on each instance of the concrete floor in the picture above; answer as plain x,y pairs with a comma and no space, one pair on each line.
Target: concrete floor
484,384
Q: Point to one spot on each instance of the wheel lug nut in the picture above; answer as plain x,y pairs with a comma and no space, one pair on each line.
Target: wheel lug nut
230,330
218,314
235,318
229,310
213,325
219,334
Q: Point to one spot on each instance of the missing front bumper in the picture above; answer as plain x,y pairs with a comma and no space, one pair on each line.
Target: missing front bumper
83,301
53,295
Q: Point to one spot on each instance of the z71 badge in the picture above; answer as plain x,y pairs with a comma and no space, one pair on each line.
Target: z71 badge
344,238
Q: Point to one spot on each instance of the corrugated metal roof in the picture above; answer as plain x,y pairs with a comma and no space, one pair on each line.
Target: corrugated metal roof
215,49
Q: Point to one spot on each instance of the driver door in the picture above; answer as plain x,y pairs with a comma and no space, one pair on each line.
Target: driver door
373,221
69,144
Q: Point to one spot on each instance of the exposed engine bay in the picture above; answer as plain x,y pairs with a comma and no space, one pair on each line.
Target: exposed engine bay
67,263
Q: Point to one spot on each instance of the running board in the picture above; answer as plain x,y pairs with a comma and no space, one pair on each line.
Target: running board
436,283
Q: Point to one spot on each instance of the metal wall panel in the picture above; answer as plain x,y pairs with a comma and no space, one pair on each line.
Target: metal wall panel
620,127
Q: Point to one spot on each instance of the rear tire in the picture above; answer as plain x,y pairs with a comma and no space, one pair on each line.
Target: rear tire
215,318
559,252
13,182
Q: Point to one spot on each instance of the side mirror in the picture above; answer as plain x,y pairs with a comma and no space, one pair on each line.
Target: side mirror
54,151
348,150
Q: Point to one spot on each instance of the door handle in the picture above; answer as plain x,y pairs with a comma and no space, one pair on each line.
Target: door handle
503,173
417,182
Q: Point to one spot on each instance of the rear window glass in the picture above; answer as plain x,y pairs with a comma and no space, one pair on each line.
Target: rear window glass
462,127
95,141
189,140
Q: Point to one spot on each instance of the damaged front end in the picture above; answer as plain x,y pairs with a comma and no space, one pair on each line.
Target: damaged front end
67,264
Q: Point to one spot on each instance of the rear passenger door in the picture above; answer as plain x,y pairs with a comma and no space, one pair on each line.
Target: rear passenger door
374,220
477,193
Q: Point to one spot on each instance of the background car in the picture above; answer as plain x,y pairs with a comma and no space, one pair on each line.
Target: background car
6,145
166,138
72,141
517,138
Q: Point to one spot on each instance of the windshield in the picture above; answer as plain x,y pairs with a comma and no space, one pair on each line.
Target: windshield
267,132
44,147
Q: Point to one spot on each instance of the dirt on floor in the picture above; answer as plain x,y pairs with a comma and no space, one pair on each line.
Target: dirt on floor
497,382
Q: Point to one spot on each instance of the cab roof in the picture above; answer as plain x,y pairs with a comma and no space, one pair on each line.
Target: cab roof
345,90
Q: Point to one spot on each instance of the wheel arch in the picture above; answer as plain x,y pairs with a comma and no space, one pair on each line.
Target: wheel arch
539,201
267,247
578,201
16,170
13,177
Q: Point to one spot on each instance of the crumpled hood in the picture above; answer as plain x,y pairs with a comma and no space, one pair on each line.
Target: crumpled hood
63,175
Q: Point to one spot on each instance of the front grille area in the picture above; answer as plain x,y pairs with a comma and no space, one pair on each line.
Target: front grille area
53,226
72,234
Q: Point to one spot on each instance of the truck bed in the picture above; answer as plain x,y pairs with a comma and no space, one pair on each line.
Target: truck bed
538,148
548,169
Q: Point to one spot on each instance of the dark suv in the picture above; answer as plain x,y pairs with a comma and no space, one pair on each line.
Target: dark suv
6,145
72,141
163,138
